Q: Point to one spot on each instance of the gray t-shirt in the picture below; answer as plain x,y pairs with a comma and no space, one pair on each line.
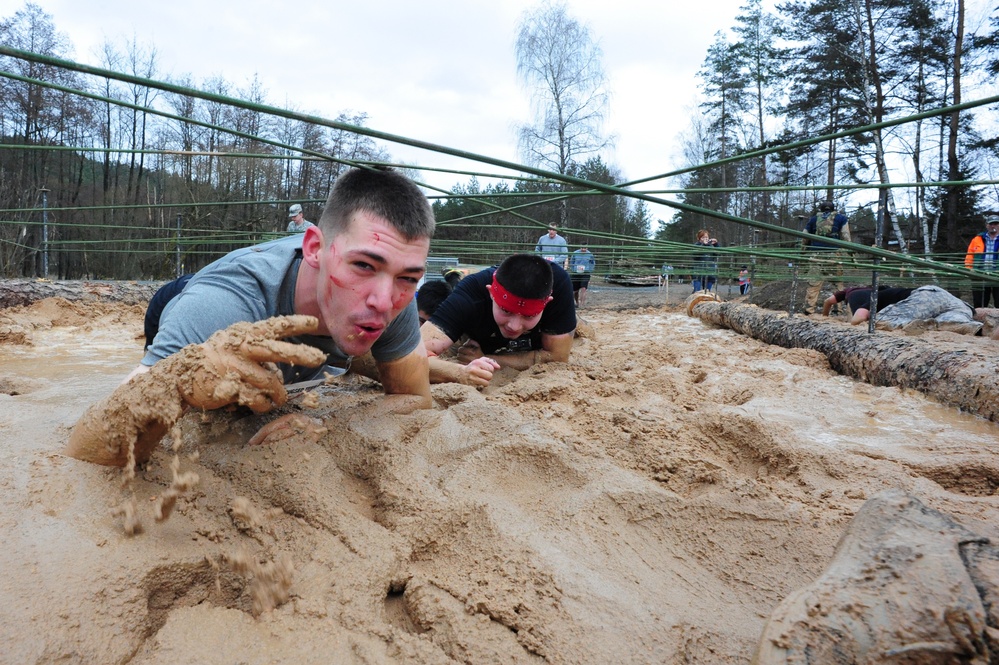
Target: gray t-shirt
554,249
253,284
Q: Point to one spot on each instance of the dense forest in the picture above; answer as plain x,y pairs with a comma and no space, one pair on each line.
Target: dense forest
872,104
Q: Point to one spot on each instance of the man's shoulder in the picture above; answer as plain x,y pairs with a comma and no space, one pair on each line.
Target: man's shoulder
264,258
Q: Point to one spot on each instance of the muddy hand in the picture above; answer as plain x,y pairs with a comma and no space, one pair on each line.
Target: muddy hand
288,426
227,368
235,365
480,371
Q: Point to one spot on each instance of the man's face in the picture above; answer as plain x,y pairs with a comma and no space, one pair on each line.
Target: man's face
367,276
298,218
511,324
551,233
993,228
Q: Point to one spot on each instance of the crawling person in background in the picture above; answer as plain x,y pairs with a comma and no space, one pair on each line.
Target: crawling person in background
337,290
452,276
859,300
515,315
429,298
154,310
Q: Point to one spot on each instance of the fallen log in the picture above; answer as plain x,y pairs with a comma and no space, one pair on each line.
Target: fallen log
958,376
22,292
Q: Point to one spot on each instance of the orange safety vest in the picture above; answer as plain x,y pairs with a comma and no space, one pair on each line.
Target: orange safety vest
977,246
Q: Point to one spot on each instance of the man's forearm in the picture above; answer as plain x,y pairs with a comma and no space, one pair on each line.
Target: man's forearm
129,422
523,359
443,371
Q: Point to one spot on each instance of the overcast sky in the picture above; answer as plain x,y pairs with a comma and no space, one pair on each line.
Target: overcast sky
441,71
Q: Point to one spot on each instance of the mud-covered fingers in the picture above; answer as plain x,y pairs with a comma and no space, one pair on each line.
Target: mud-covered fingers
261,386
278,327
287,426
274,351
262,401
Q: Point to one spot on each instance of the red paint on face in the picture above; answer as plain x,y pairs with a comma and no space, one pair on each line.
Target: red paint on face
369,274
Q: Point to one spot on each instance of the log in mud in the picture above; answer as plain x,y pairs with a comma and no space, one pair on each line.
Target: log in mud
23,292
957,377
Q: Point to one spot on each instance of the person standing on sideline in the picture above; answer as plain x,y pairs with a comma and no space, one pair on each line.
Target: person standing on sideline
296,220
581,264
705,265
983,256
743,280
825,258
554,248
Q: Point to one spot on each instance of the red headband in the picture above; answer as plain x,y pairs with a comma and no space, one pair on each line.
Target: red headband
516,304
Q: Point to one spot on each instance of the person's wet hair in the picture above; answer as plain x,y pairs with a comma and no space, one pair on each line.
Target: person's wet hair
431,295
526,275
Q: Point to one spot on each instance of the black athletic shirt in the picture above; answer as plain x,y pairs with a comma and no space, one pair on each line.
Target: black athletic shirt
469,311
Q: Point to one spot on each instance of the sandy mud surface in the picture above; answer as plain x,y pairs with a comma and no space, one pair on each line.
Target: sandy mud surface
653,501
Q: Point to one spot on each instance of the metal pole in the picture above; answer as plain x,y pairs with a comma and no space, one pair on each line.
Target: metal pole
754,241
177,270
45,232
794,285
878,239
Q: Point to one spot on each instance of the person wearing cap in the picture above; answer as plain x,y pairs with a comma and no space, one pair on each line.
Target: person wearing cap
983,256
515,315
296,220
553,247
825,258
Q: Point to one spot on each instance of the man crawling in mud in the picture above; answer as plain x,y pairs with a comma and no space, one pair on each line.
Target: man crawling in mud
342,288
515,315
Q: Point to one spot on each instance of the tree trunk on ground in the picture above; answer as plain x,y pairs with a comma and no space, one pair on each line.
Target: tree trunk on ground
19,292
956,376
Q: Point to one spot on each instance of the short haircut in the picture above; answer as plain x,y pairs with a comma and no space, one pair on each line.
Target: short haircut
526,276
383,192
431,295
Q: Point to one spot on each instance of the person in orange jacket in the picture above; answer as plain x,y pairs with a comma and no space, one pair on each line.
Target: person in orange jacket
983,255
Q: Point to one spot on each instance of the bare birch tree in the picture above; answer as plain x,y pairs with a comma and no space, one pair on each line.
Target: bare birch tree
560,65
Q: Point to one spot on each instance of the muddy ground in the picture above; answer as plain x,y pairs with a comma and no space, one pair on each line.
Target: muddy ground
652,501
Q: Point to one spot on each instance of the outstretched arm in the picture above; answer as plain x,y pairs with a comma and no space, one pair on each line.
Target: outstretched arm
234,366
477,371
554,348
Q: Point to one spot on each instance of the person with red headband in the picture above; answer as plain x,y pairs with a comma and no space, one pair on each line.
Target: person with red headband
515,315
